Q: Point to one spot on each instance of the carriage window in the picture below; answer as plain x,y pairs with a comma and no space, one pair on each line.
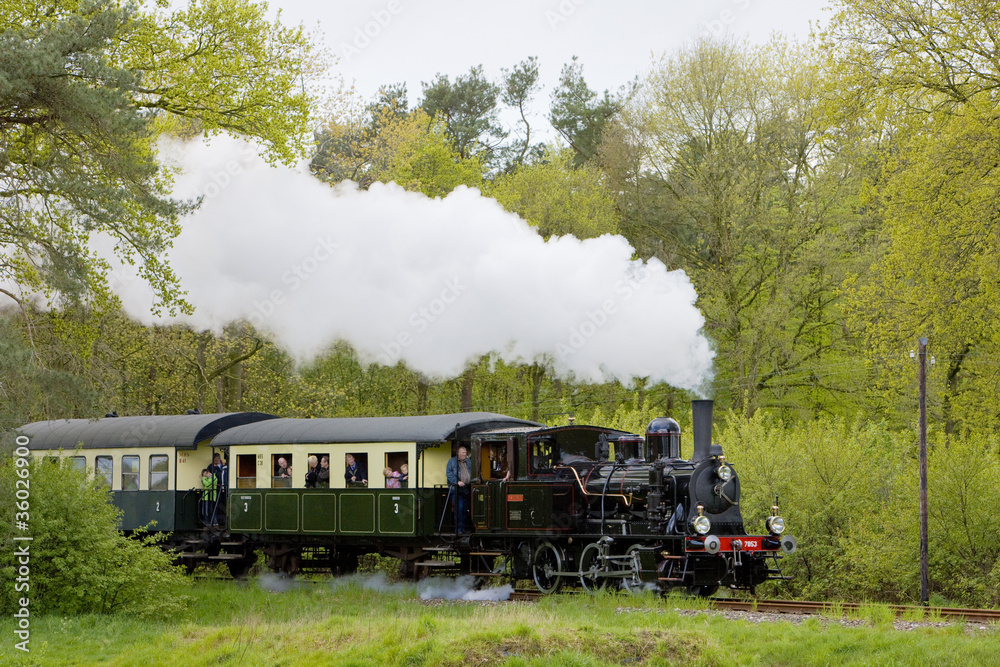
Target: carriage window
78,463
543,454
281,471
158,469
246,471
104,468
130,473
356,466
398,464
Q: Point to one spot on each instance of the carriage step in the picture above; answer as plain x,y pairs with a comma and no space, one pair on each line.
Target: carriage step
486,553
674,557
669,579
436,563
194,554
230,544
227,557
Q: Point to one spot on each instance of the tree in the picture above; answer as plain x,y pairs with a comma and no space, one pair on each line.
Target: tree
346,142
558,199
726,147
416,153
517,90
31,391
468,108
936,188
80,563
579,114
410,149
85,89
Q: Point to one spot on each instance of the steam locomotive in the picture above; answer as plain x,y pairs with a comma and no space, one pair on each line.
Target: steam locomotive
575,505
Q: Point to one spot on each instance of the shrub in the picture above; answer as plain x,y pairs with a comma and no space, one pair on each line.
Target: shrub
79,561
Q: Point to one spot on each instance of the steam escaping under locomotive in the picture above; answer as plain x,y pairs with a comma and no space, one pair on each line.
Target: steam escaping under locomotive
575,505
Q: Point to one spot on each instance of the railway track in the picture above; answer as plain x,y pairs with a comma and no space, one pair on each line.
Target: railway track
801,607
525,596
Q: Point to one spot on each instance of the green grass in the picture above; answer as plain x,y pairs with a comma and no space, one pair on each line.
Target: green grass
318,624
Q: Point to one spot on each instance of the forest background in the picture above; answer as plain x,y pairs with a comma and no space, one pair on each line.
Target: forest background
831,202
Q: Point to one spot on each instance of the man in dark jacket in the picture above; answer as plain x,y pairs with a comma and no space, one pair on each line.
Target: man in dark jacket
459,474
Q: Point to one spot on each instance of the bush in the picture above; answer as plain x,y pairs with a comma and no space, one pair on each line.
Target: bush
79,561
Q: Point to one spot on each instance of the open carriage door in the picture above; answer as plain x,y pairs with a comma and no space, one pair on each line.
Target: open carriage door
492,463
480,490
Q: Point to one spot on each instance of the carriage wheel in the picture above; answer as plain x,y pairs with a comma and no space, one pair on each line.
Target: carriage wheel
545,566
590,567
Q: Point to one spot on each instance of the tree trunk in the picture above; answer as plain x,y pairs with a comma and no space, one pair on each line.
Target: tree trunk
468,379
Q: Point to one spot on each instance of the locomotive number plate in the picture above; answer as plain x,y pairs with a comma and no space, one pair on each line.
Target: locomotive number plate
515,497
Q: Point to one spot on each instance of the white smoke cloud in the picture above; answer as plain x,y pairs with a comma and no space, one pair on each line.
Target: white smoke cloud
276,583
432,282
461,588
431,588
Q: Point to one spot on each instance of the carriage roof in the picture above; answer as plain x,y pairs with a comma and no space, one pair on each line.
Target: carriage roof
180,431
421,428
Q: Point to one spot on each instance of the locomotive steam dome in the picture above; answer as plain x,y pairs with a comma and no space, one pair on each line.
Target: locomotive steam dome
663,438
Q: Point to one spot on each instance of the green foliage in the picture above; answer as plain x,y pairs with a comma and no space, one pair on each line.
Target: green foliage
517,89
85,89
962,511
923,76
468,108
351,625
849,494
79,562
410,149
558,199
30,391
579,114
420,157
847,491
723,166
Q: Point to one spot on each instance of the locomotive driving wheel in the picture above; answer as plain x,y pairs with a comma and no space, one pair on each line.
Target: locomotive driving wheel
590,569
633,583
546,564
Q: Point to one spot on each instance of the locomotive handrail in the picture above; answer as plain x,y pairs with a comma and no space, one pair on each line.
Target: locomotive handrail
604,494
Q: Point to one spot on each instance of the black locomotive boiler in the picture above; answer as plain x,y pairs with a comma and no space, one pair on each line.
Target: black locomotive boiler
581,505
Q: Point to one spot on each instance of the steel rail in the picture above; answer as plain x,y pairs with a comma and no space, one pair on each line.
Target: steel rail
805,607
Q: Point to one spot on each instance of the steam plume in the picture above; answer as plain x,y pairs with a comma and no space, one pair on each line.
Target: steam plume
432,282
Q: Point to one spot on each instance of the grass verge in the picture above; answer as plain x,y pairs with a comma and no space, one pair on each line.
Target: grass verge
322,623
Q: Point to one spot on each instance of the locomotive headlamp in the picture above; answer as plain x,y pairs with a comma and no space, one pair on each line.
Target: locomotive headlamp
724,472
701,523
775,524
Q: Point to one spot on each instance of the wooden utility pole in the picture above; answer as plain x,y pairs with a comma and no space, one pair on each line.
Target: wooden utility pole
922,361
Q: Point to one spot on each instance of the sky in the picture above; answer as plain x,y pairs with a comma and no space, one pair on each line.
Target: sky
387,41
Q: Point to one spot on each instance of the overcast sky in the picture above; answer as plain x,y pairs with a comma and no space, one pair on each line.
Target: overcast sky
387,41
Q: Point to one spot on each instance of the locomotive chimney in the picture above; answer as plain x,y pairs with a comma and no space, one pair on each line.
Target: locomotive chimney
702,428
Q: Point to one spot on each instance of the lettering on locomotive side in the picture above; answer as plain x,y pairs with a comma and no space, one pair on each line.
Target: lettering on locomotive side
515,497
